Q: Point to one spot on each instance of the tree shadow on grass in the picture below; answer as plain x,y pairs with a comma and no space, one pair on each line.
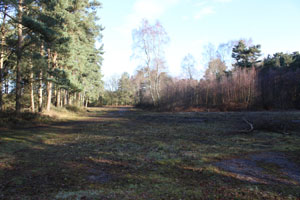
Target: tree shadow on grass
97,155
43,170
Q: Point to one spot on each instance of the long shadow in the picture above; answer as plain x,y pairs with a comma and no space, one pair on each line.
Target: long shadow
39,170
41,173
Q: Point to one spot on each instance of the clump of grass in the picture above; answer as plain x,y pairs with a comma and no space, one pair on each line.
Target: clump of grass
10,119
66,113
74,108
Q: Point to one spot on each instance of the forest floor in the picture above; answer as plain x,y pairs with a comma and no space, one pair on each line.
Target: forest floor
126,153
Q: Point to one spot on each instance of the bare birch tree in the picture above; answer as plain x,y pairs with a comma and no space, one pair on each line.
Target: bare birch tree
148,46
188,66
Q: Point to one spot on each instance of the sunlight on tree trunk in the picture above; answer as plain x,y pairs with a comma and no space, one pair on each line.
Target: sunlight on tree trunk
3,34
19,57
32,105
148,44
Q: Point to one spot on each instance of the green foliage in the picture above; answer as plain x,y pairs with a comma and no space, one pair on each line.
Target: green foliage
58,47
39,27
283,60
245,56
125,90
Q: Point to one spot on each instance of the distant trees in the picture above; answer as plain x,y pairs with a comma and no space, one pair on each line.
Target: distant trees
265,85
279,81
250,84
282,60
188,66
245,56
120,90
148,46
125,90
112,90
235,78
216,69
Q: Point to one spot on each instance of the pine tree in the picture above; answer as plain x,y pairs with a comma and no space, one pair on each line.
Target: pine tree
52,46
4,9
245,57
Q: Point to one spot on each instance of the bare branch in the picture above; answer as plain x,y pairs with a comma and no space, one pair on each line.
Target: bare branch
251,126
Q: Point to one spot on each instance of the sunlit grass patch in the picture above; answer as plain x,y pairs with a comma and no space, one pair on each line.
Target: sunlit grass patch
105,154
78,195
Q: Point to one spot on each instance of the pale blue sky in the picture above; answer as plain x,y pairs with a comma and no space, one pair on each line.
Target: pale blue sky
191,24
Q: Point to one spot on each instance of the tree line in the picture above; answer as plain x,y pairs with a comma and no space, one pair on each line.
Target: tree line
235,78
48,54
48,57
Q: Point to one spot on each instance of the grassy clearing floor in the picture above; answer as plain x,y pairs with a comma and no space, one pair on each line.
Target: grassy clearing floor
124,153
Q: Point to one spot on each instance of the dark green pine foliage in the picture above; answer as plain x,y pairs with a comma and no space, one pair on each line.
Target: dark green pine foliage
283,60
57,51
246,57
125,89
84,59
77,66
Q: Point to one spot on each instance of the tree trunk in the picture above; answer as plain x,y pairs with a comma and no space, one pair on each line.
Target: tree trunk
69,99
41,83
49,96
3,32
61,99
65,97
206,96
86,102
151,92
19,57
78,99
157,88
31,89
50,83
148,71
83,99
6,82
41,91
58,97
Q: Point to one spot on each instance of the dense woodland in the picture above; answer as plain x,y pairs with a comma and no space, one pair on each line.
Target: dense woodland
48,54
48,57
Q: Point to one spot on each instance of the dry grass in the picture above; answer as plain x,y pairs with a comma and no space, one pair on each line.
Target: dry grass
124,153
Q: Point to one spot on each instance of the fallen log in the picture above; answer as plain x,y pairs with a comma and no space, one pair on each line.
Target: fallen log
251,126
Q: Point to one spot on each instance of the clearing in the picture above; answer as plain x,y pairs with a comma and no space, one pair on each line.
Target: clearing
126,153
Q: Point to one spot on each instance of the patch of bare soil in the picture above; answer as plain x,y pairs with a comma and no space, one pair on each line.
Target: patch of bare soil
170,119
266,168
98,176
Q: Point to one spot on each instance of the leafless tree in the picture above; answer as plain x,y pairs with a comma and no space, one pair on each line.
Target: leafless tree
216,68
148,46
112,87
188,66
